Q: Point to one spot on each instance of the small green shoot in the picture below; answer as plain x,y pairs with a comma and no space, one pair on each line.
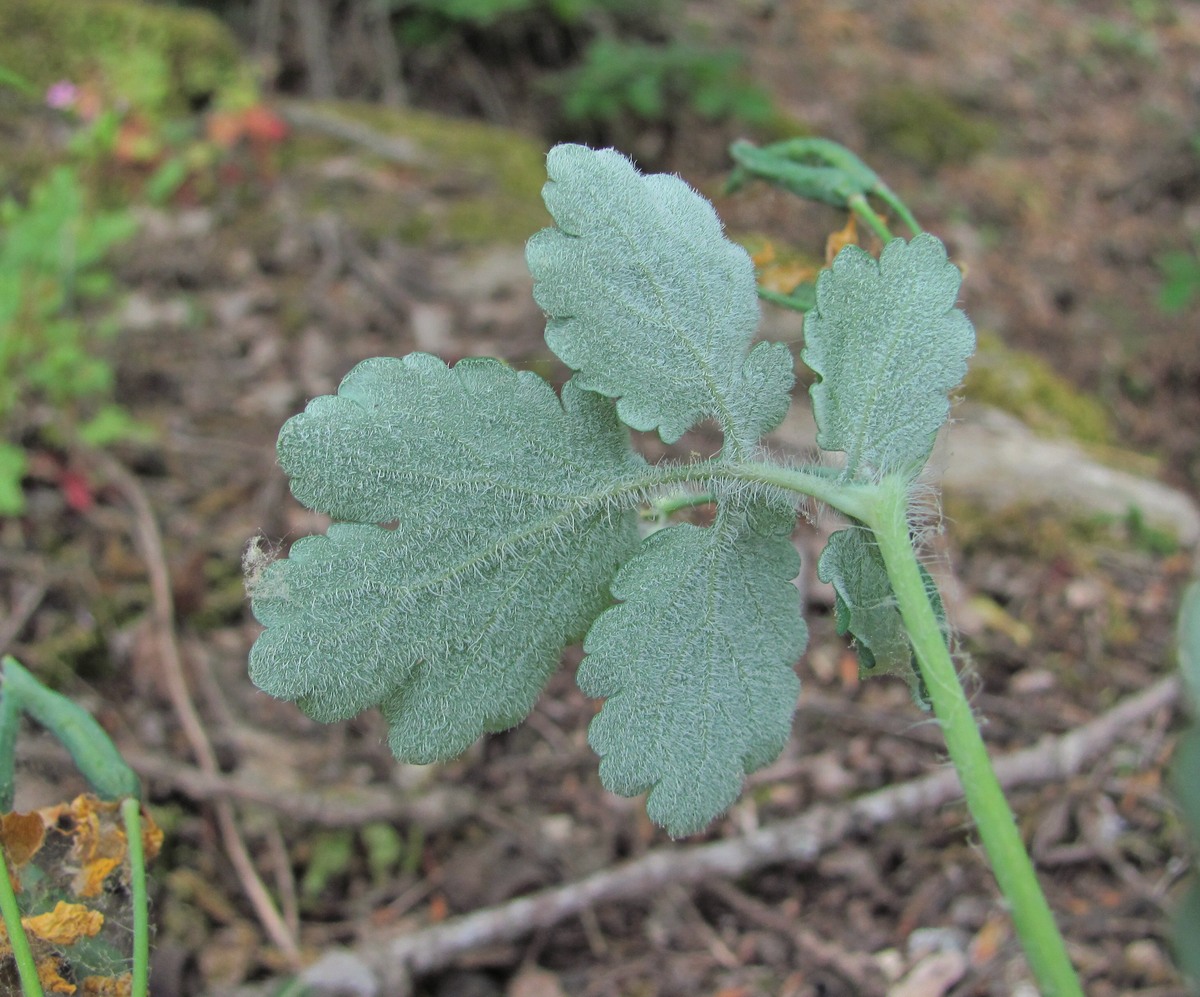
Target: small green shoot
52,270
111,778
1185,779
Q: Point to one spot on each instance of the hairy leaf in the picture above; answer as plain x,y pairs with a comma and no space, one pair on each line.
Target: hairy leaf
696,664
887,345
651,304
509,526
865,607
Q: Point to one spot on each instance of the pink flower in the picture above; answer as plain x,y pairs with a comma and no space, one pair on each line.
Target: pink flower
61,95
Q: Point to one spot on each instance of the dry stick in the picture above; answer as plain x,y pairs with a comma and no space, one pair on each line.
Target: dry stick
439,809
149,541
801,839
22,611
859,969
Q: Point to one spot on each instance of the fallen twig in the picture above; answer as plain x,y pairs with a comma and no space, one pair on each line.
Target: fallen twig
149,542
29,600
396,149
801,839
325,806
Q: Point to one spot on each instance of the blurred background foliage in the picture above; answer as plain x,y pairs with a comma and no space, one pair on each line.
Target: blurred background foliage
607,71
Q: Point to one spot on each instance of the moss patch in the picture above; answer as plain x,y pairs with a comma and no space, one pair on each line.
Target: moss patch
159,59
1024,385
924,126
492,176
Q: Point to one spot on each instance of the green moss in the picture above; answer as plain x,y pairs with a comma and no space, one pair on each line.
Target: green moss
924,126
1034,533
1044,534
494,175
159,59
1024,385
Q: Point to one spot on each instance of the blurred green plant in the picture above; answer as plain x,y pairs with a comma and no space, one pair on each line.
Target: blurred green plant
53,248
650,83
1180,270
58,912
628,65
1185,778
422,22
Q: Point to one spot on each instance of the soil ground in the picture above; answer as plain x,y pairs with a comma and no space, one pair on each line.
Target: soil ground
240,312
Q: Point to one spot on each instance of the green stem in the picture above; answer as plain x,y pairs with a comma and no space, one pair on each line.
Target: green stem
132,815
661,508
31,984
884,193
861,207
884,509
1032,918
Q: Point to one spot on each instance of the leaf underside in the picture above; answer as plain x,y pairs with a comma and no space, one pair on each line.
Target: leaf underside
696,664
650,303
865,607
887,345
485,523
509,519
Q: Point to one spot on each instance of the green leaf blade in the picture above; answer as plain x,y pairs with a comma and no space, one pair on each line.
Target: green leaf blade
505,541
696,663
650,303
865,607
887,344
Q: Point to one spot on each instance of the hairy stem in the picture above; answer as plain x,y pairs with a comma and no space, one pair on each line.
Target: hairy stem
1032,918
883,508
660,509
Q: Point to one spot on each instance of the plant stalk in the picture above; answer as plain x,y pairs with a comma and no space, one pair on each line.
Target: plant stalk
31,984
883,508
1035,926
131,813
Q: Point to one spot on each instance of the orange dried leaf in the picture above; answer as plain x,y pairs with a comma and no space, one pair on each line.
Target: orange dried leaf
848,670
52,982
439,909
100,844
22,835
847,235
152,837
764,255
65,925
107,986
784,278
90,880
988,940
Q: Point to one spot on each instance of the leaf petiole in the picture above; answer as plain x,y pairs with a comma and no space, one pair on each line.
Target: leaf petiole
883,508
1032,918
663,508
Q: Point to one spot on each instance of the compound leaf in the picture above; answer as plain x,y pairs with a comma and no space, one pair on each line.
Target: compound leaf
509,525
865,607
650,303
696,664
887,345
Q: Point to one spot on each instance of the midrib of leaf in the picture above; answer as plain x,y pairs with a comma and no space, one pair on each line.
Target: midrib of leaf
592,505
876,392
502,604
723,412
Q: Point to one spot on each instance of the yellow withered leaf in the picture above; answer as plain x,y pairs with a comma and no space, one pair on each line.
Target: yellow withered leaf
64,925
22,835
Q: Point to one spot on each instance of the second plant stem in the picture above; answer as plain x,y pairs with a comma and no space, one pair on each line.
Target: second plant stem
1035,926
883,507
